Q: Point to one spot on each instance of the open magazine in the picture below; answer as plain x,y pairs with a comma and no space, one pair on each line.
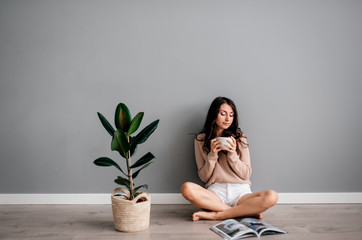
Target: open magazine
247,227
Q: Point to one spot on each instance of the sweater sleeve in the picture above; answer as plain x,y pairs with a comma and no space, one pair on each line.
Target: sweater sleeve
239,160
205,162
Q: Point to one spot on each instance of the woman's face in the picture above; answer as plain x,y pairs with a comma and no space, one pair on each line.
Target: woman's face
225,116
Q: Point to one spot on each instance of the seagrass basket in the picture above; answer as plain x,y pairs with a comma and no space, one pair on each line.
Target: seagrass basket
131,216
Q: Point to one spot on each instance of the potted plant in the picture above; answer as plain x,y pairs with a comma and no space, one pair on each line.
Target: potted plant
131,209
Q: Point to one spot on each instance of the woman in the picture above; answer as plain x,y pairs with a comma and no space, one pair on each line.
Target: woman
224,170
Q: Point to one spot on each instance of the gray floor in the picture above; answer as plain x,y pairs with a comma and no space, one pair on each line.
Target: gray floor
172,222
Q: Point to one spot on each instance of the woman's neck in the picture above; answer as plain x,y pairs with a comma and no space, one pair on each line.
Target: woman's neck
219,132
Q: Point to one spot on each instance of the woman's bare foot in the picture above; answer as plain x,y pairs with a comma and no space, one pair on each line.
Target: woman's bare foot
256,216
203,215
207,215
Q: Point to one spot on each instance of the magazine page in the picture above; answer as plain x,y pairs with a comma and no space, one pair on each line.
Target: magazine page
231,229
261,227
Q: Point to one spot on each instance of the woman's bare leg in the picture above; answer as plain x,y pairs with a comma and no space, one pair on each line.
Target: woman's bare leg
251,204
202,198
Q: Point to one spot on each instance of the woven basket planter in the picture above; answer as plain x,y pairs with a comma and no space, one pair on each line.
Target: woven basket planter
131,216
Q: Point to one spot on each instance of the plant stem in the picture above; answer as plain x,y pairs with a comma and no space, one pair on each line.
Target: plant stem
130,178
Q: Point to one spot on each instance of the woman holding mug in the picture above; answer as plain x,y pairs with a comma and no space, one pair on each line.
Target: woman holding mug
225,169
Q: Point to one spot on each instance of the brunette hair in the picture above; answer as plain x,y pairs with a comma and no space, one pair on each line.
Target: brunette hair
210,126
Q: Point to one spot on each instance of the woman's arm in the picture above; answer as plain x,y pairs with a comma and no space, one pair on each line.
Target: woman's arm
240,164
205,162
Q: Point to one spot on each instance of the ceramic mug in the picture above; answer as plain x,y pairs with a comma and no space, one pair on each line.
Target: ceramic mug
224,141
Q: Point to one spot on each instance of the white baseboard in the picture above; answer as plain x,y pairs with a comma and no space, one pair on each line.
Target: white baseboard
320,198
172,198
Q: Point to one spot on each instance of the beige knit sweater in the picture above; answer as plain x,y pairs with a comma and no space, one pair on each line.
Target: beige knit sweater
223,167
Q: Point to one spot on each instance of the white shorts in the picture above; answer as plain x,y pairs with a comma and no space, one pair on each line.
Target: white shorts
230,193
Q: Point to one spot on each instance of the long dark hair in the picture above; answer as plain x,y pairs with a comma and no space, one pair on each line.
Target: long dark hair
210,126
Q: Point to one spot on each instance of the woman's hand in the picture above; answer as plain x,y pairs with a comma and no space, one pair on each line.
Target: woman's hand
215,145
232,145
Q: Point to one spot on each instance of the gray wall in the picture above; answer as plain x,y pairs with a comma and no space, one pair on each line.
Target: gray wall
292,67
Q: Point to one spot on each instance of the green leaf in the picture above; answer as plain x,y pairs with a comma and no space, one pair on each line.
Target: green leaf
122,141
135,174
135,124
144,134
106,124
107,162
133,148
137,188
143,160
116,147
122,117
122,181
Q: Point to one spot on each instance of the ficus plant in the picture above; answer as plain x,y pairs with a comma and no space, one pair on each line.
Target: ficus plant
126,145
